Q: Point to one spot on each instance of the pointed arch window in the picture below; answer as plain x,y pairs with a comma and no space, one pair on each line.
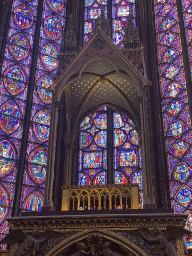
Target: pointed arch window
94,147
93,10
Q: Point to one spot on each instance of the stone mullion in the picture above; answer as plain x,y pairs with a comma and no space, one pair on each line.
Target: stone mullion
185,54
27,117
110,176
159,163
75,170
4,27
48,203
109,14
59,168
81,23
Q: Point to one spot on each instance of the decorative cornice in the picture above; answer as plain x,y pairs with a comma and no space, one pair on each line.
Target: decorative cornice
118,222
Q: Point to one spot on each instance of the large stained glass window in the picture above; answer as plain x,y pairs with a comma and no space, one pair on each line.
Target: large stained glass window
93,149
14,87
93,143
53,21
127,152
120,13
187,15
176,117
93,10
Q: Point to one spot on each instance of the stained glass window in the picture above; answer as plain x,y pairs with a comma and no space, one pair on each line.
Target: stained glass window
187,15
53,21
186,170
120,13
176,117
127,152
93,10
93,149
14,86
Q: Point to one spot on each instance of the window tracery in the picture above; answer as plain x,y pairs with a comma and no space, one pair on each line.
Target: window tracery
53,22
93,10
120,13
176,116
14,86
93,150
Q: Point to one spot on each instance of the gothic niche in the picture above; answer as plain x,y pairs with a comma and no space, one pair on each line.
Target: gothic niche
95,245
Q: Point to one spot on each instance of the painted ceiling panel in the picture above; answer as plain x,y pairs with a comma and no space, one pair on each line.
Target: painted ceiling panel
100,67
104,93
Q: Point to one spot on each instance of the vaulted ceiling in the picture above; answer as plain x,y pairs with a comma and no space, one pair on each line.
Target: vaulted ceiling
101,83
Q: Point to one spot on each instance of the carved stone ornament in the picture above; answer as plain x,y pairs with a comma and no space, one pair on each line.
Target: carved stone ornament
95,245
28,245
101,23
98,44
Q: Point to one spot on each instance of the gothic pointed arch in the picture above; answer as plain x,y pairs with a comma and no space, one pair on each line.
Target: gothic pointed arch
124,244
100,74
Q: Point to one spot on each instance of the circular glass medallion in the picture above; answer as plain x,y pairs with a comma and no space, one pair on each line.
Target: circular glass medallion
7,156
19,46
85,139
43,83
119,137
133,137
49,55
23,16
101,139
56,5
33,202
101,121
10,117
4,203
52,27
14,80
37,165
41,124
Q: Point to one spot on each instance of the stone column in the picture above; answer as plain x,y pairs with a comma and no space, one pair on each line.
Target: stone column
69,146
145,147
180,247
48,202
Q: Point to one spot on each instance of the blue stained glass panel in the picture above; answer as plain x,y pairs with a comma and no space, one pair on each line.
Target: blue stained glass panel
173,87
85,139
100,179
120,13
33,202
52,26
14,86
120,178
19,46
126,153
84,179
92,160
14,80
93,9
93,144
